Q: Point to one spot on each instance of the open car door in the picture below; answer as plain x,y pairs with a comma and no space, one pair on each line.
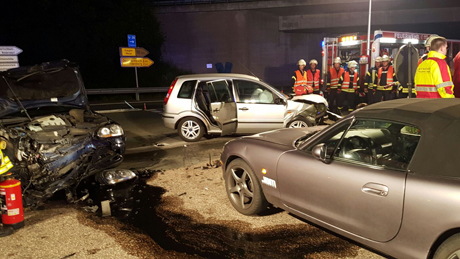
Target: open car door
222,106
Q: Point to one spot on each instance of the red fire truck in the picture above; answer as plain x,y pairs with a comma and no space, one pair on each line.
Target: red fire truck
354,47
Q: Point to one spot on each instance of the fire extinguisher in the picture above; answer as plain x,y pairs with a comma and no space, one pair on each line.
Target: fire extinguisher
11,200
10,194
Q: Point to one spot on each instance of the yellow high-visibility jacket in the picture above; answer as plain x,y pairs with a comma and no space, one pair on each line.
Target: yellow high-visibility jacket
433,79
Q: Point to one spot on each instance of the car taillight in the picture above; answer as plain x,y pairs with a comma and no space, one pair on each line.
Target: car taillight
170,90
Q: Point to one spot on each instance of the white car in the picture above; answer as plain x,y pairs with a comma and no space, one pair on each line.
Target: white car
224,104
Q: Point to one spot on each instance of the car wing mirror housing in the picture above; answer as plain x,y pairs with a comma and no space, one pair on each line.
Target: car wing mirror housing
280,101
319,152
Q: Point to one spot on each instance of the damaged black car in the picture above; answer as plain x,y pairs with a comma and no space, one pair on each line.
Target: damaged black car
53,138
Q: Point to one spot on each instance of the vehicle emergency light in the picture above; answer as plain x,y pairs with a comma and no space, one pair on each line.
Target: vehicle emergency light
170,90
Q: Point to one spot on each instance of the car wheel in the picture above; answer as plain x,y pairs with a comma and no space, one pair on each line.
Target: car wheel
298,123
190,129
243,188
449,249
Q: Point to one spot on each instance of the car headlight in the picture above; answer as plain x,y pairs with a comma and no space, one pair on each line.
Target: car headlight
114,176
113,130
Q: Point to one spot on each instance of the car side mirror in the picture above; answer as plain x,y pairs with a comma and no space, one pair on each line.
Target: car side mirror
319,152
280,101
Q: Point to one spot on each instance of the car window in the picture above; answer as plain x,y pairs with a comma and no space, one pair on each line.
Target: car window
220,91
250,92
331,138
186,90
379,143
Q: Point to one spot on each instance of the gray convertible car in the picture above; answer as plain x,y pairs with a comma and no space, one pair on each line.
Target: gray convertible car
386,176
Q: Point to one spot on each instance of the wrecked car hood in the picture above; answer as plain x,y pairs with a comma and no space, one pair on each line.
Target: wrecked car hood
285,137
310,98
49,84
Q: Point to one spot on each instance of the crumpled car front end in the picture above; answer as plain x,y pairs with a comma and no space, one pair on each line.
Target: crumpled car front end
57,142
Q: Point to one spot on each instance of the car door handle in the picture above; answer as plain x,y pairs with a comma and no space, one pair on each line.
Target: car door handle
375,189
243,109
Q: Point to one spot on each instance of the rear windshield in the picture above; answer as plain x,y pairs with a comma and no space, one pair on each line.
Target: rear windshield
186,90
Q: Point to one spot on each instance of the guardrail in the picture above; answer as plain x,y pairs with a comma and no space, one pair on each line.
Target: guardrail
127,90
192,2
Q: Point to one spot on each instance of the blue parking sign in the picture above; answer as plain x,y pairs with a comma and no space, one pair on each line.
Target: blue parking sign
131,40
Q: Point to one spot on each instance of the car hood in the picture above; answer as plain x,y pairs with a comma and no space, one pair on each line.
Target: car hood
310,98
56,83
286,137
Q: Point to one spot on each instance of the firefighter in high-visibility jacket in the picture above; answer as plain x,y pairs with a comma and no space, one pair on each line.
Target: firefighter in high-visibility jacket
427,46
433,78
370,82
335,98
350,84
300,79
386,81
313,77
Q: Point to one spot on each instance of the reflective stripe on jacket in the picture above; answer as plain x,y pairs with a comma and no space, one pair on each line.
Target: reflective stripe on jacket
390,75
300,82
313,79
335,77
346,82
371,78
433,79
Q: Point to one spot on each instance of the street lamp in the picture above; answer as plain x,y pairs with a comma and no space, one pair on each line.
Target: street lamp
369,34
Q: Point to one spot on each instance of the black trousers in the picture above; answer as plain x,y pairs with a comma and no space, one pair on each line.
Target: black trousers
335,100
386,95
351,101
370,96
405,95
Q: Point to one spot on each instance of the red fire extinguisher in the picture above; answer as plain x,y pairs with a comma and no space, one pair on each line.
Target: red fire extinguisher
11,203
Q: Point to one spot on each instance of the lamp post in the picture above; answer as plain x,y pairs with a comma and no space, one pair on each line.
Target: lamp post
369,34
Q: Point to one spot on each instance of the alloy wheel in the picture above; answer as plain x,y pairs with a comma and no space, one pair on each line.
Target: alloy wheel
241,188
298,124
190,129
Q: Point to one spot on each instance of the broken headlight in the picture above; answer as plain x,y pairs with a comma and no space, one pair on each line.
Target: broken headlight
114,176
113,130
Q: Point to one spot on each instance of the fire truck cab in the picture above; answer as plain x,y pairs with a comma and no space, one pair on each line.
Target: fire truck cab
354,47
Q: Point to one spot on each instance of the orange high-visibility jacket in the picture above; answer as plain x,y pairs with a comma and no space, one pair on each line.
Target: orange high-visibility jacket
433,79
313,79
390,78
346,82
300,85
334,77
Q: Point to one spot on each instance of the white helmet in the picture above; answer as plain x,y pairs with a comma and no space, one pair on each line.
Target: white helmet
352,64
430,39
301,63
314,61
337,60
385,58
378,59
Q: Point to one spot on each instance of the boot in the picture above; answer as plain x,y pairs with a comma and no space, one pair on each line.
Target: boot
339,111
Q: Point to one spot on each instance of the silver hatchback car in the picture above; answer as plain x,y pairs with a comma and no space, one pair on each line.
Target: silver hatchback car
224,104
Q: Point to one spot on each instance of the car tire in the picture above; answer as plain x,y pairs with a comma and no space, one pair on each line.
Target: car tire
243,188
298,122
449,249
190,129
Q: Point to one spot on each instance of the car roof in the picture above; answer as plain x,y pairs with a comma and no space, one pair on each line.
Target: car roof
219,75
439,121
417,108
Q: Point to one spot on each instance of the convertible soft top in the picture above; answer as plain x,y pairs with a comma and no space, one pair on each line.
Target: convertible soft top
439,121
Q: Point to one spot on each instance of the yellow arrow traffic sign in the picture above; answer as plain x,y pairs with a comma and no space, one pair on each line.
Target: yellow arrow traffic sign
135,62
133,52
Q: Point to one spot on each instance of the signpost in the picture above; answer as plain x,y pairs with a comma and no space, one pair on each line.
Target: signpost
9,57
135,62
132,56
